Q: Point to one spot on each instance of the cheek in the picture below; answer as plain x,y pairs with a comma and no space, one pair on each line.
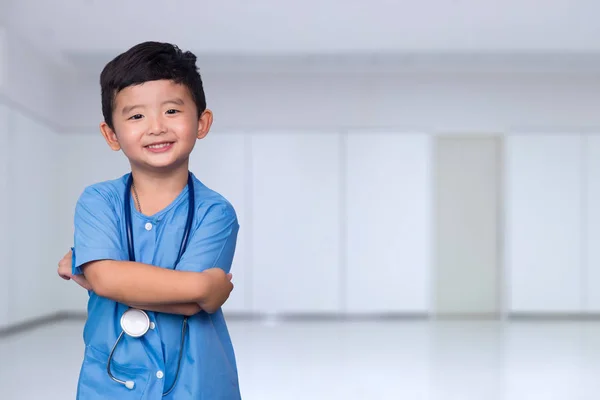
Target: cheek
129,140
187,130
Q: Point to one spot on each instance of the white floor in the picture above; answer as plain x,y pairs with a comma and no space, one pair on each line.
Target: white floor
410,360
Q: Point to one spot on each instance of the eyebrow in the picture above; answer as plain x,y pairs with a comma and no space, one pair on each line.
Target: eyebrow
176,100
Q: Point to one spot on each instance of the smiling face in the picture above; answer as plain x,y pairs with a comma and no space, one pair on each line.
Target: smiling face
156,124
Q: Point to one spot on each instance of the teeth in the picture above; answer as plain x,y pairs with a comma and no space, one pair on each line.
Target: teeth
159,146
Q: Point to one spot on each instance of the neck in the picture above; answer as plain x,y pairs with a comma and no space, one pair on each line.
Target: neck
154,183
156,190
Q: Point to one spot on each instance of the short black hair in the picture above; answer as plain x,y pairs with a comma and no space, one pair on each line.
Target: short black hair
150,61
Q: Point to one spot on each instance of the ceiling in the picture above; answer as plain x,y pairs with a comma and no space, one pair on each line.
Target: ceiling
260,33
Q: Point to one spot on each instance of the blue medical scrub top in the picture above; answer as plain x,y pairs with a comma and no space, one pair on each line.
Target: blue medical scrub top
208,366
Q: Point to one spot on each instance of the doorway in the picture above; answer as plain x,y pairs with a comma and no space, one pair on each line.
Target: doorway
468,226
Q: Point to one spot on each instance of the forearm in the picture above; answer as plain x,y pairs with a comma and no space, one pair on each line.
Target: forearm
136,283
187,309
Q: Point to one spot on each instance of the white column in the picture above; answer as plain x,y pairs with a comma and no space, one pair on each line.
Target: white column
544,223
296,222
388,223
33,220
3,59
591,274
5,268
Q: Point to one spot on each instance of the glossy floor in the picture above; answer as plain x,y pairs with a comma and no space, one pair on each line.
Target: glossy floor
356,360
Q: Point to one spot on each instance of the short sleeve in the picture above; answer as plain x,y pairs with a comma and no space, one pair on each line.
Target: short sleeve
213,242
97,235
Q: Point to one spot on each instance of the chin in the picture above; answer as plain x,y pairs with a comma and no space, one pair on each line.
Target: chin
166,165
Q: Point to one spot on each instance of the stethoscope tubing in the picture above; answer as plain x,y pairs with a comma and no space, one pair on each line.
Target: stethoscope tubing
131,250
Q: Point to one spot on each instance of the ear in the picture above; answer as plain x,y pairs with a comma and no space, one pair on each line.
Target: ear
204,124
110,136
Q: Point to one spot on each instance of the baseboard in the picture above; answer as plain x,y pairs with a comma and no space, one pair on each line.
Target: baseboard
34,323
467,316
336,317
65,316
550,317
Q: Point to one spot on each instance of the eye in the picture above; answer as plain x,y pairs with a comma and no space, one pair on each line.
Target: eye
136,116
172,111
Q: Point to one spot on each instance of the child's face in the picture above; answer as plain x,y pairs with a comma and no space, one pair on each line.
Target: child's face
156,124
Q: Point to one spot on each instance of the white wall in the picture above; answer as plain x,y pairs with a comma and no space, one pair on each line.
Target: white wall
28,186
553,223
352,142
591,223
33,184
358,241
544,222
280,123
417,102
296,264
387,222
314,238
32,83
3,54
5,282
29,100
437,103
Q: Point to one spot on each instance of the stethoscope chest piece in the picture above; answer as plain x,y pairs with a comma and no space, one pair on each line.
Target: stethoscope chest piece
135,323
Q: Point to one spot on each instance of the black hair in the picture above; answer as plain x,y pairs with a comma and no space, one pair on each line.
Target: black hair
150,61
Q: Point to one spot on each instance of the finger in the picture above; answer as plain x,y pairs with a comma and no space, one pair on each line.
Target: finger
66,277
229,276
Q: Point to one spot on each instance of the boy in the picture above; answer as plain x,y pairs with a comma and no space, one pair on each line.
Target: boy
154,110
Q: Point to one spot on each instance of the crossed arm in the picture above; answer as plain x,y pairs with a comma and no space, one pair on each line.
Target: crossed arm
152,288
200,282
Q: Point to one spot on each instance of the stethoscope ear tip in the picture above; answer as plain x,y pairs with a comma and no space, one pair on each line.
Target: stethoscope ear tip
130,384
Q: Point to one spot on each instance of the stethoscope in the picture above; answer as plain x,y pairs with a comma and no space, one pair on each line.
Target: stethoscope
135,322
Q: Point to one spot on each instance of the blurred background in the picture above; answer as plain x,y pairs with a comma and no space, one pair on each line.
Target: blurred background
417,184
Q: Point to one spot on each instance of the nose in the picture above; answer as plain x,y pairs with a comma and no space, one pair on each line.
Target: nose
157,126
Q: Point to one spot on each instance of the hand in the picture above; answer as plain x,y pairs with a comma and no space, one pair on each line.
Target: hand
218,287
64,271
